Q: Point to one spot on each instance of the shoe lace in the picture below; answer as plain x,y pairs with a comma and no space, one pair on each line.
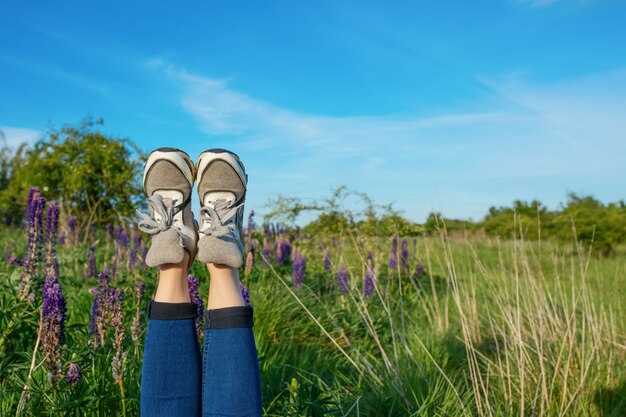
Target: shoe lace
218,218
149,224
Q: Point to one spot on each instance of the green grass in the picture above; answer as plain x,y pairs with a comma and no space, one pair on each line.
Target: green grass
509,328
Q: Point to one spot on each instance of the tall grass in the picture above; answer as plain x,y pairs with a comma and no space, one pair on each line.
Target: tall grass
493,328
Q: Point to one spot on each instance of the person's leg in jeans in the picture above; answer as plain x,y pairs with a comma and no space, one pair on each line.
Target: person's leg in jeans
171,372
231,384
171,379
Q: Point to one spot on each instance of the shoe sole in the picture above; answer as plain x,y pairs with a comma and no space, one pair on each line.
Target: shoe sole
217,154
179,158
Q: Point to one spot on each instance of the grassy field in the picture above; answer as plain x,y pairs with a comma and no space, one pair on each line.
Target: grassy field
491,328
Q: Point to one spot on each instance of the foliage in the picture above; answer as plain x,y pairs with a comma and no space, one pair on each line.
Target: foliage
490,329
93,176
344,211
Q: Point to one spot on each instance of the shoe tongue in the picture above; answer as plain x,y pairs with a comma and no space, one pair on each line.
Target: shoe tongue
215,196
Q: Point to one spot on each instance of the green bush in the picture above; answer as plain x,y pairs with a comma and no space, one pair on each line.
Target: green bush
93,176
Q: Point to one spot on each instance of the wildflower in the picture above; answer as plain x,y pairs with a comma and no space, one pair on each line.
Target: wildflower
394,245
249,262
132,258
368,282
62,238
123,239
116,306
298,268
420,269
91,266
34,238
53,327
370,259
14,260
266,253
404,255
327,264
251,225
282,250
71,223
245,294
99,308
52,224
342,278
194,295
73,374
393,261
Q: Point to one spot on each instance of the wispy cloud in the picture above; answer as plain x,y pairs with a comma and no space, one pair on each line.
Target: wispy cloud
529,141
15,136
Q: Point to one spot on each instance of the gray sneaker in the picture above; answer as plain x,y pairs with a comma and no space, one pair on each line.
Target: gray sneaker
167,181
222,181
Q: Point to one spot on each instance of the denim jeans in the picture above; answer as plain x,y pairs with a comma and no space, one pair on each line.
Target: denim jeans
177,382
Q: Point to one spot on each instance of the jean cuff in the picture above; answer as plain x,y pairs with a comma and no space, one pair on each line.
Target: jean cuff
229,317
171,311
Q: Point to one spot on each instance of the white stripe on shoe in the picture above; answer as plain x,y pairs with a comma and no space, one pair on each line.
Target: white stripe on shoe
207,157
173,157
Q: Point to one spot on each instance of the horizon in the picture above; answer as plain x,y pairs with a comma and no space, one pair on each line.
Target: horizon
438,107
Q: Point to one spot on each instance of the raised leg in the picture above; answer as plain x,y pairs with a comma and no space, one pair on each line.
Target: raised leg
171,374
231,384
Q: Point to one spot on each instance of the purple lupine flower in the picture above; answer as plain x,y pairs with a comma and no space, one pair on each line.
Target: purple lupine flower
91,266
370,259
249,262
393,261
123,239
245,294
342,278
116,232
298,268
194,295
52,225
266,253
116,315
62,238
71,223
251,225
414,246
73,374
327,264
368,282
99,308
30,262
282,250
132,257
267,231
53,327
404,255
420,269
394,245
14,260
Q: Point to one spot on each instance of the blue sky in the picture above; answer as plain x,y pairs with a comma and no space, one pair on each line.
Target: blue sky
449,106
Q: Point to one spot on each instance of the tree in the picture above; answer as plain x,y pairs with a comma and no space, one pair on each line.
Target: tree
93,176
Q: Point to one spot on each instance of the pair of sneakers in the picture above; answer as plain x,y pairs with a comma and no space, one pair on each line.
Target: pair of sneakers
168,181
